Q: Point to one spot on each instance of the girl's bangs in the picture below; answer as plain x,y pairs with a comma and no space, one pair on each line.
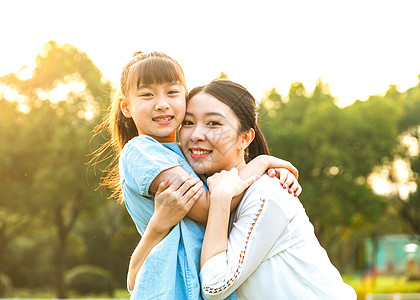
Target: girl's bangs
156,70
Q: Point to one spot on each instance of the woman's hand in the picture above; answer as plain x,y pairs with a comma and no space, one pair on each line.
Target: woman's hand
173,201
229,183
287,180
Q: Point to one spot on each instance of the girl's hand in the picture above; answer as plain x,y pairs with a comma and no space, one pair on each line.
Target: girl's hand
229,183
173,201
287,180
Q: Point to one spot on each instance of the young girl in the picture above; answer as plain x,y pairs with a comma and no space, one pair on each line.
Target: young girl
271,251
143,120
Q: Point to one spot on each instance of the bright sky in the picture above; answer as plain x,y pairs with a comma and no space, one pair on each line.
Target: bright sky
358,47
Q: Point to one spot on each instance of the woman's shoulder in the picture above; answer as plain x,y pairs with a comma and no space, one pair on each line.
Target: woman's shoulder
266,185
269,191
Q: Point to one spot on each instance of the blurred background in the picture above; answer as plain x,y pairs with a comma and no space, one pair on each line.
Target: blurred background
338,88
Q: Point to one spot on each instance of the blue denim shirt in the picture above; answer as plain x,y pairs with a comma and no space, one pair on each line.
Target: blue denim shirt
171,271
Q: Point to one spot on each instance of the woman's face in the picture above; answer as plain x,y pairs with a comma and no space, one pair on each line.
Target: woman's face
209,136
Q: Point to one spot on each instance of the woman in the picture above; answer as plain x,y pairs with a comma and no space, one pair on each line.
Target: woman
272,251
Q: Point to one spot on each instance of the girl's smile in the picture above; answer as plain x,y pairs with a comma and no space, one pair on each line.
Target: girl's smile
163,119
156,109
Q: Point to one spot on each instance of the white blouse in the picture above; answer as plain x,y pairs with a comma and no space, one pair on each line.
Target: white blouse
273,252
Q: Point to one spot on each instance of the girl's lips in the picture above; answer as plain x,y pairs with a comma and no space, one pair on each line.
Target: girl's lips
163,120
198,153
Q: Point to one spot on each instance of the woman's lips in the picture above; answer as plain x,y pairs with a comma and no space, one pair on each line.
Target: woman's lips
198,153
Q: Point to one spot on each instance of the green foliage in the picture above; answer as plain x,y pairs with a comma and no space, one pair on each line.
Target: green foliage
51,217
87,279
222,75
50,143
335,151
5,284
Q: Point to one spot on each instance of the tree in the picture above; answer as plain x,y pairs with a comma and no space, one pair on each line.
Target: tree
403,172
57,138
15,166
222,75
335,151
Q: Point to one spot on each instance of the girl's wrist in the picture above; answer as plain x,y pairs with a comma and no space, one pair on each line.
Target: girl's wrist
157,227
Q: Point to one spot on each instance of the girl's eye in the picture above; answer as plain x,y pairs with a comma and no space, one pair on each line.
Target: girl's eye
213,123
173,92
146,95
187,123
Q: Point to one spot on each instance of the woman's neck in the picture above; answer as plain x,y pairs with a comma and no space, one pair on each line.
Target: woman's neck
237,164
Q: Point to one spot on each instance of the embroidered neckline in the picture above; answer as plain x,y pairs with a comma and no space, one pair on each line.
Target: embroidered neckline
229,282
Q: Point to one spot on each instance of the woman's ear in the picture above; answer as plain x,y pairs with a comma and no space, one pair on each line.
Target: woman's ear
124,108
247,138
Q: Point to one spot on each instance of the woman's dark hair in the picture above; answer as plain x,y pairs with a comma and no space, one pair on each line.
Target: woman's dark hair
242,103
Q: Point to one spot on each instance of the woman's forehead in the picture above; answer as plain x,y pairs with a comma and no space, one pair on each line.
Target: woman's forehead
205,103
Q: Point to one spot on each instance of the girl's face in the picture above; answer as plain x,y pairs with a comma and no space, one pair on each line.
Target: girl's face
157,109
209,136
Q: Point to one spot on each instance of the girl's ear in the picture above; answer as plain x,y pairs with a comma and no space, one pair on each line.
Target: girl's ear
124,108
247,138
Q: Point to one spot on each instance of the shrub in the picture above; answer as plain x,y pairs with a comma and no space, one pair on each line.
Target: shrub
89,279
5,284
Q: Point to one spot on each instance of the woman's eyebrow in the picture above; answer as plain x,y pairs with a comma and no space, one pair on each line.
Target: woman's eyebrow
207,114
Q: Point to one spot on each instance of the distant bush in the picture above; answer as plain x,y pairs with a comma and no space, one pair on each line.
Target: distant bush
5,284
89,279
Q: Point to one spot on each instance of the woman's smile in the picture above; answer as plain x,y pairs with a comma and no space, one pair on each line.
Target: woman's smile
198,153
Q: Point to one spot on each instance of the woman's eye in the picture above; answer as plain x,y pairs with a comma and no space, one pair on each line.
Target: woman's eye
213,123
186,123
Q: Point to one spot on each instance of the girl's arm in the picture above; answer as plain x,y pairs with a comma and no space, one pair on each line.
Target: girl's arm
171,205
257,166
177,175
262,217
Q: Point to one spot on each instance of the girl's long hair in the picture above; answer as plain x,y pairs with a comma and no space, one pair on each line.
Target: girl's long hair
143,68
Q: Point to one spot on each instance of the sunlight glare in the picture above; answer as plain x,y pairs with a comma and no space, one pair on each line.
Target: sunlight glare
62,90
25,73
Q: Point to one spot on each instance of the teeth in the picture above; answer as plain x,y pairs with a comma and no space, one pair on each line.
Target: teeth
200,152
163,119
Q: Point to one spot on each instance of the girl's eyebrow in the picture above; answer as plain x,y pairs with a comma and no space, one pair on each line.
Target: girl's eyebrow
147,86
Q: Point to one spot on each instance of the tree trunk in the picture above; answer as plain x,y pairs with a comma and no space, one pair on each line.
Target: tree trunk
3,244
61,254
63,229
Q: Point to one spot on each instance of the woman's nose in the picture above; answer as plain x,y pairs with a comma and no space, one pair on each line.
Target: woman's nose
198,134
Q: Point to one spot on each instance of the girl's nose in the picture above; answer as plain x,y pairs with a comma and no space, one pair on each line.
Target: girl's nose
161,103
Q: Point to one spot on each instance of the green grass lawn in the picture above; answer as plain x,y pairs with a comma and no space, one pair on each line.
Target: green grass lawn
118,293
382,284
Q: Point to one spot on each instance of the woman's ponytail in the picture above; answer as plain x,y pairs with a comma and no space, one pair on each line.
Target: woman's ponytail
258,146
